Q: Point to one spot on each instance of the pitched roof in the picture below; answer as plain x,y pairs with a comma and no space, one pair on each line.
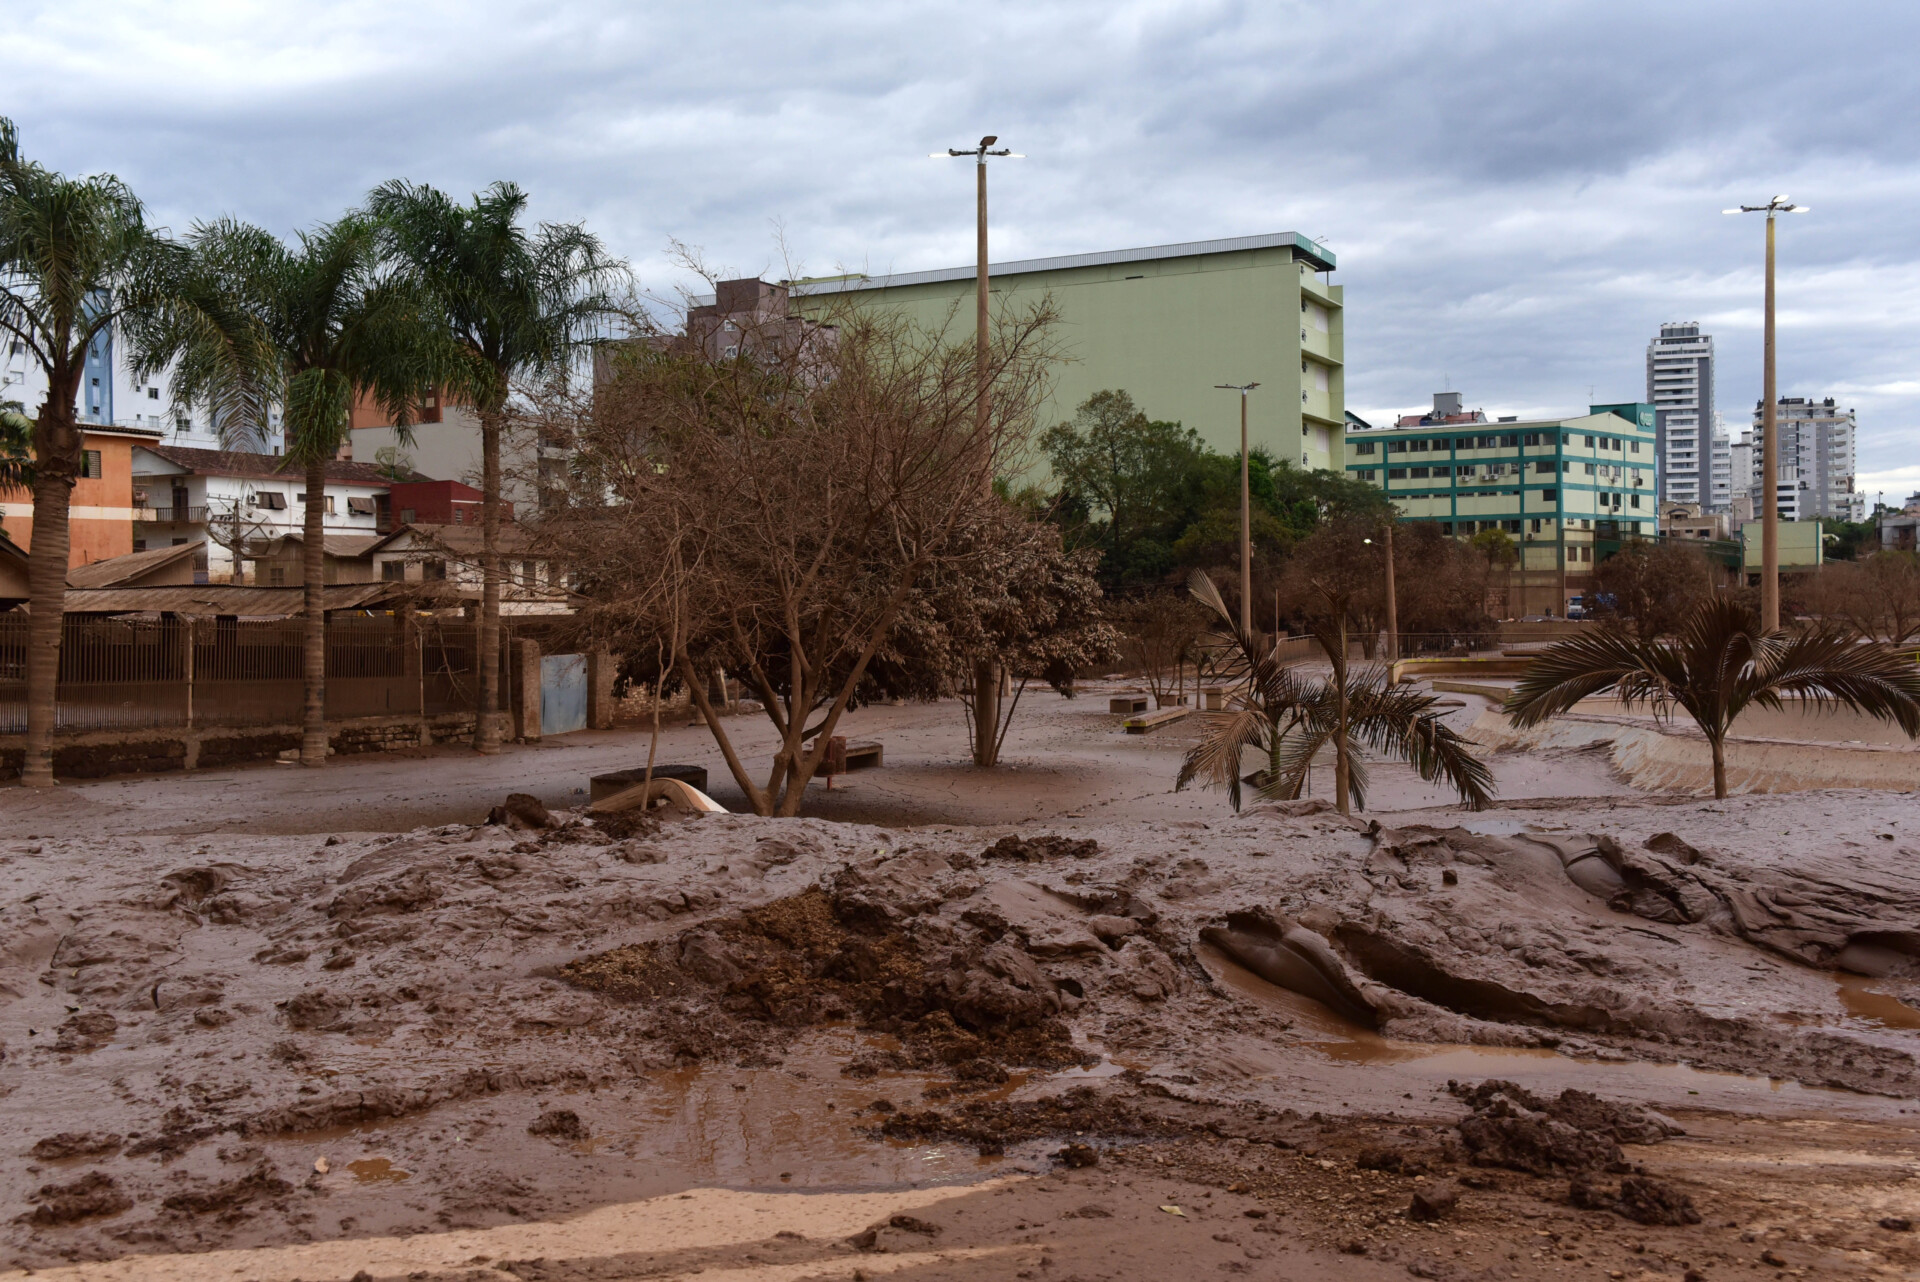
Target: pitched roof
466,542
116,570
246,463
222,598
345,546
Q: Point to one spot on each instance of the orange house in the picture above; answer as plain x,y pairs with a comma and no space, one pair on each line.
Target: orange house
100,515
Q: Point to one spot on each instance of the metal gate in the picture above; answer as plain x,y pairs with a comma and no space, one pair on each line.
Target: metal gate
563,693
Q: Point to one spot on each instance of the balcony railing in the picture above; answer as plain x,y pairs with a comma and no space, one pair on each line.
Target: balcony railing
170,515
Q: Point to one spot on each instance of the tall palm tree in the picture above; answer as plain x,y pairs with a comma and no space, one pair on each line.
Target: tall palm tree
518,302
77,260
1721,663
337,326
1291,720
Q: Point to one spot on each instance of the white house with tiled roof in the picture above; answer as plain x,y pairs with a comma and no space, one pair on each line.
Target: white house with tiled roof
244,502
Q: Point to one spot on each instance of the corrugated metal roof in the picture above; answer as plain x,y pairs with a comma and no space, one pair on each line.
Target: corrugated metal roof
118,569
1318,255
222,598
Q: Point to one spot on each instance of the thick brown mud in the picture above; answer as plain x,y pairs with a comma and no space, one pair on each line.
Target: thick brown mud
242,1042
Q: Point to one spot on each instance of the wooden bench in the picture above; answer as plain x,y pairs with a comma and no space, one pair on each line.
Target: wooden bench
619,780
842,756
1126,705
1153,720
1213,700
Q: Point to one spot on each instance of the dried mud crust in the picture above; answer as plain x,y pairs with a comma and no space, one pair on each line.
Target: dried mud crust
958,1000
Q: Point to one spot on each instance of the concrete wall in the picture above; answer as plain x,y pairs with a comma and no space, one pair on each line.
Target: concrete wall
1165,331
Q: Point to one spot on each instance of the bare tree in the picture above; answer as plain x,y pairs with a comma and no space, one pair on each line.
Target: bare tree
785,502
1161,634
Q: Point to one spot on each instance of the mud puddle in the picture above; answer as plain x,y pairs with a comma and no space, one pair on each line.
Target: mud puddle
1874,1006
1326,1033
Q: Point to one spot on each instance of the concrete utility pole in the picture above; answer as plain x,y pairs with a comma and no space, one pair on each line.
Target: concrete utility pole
1246,511
1393,597
1769,434
986,672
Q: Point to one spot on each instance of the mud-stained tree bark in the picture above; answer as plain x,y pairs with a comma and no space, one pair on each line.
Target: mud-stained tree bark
486,727
313,632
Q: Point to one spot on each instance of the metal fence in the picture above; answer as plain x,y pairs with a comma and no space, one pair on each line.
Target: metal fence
143,673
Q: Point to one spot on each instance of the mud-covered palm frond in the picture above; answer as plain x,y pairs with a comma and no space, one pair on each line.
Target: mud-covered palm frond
1215,759
1593,663
16,448
1830,667
1397,721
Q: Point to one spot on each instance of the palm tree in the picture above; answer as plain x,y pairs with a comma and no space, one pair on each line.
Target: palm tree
77,260
1291,720
1720,664
337,326
518,303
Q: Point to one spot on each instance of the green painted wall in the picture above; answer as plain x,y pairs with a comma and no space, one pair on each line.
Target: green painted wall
1165,330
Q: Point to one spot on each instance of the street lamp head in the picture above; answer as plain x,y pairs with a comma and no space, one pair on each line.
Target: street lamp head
1779,200
991,139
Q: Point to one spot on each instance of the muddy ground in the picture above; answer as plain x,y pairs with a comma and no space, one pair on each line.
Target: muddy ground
816,1048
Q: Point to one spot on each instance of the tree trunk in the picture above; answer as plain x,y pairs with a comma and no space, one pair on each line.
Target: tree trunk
47,588
1719,767
313,554
486,725
986,713
1342,768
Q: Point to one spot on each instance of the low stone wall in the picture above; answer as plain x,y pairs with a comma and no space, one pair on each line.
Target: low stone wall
1676,758
96,754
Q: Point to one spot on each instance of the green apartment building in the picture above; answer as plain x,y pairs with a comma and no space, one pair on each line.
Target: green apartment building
1566,490
1165,324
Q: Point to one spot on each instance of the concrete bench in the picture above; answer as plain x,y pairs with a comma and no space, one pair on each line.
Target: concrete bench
619,780
1126,705
1213,700
1153,720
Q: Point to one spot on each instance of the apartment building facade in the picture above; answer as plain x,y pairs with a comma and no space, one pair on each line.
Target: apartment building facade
1680,389
100,509
1817,459
241,504
1165,323
1566,490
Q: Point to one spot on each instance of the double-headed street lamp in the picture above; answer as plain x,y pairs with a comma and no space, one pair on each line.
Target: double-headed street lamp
1769,435
1246,518
980,152
986,672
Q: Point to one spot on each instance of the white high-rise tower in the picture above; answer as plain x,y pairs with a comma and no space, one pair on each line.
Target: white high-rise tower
1680,388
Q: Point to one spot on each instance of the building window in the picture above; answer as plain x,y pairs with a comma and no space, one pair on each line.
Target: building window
1549,496
1441,472
1589,442
433,569
1588,467
406,516
393,571
1418,473
459,516
1513,527
1635,501
1543,467
1636,447
1446,527
276,576
90,464
1363,447
1396,447
1530,438
153,393
1396,474
1510,441
1421,447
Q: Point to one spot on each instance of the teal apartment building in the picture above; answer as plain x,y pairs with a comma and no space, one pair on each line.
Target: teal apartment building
1566,490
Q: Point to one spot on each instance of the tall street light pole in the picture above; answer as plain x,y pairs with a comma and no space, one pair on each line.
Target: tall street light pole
1246,512
1769,434
986,672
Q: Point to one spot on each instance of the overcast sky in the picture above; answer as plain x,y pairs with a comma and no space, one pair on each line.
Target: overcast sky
1518,192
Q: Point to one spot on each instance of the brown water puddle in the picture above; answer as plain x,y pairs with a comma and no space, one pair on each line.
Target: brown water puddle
1874,1006
377,1170
1330,1034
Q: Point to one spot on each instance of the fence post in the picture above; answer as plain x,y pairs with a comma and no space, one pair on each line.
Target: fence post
600,668
191,759
526,689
